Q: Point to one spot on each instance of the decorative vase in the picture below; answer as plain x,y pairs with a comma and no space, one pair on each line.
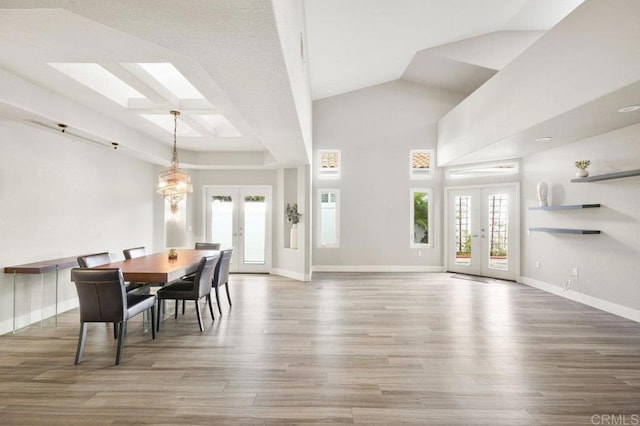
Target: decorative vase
542,190
582,173
293,236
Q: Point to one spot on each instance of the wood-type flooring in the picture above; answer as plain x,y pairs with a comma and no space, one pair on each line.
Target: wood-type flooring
363,348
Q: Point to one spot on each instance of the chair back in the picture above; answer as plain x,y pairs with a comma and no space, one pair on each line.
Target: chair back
207,246
96,259
101,293
204,276
132,253
221,274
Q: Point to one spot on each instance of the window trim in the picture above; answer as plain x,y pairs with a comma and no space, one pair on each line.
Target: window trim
412,243
319,193
431,169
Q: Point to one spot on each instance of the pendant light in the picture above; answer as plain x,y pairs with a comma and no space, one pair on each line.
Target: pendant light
173,183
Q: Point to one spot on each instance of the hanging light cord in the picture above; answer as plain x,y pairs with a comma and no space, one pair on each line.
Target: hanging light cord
174,157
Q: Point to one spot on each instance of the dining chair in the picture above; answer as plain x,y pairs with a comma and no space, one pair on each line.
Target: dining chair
194,289
99,259
103,298
221,275
207,246
132,253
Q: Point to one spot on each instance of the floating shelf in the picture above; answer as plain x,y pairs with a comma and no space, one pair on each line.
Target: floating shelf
607,176
565,231
566,207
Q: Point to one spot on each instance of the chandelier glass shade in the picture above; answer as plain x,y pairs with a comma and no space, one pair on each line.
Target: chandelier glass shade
173,183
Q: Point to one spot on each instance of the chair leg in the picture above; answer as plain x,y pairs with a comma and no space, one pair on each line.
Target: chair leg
115,331
121,333
226,287
218,301
158,316
153,321
175,314
210,306
81,339
184,302
199,316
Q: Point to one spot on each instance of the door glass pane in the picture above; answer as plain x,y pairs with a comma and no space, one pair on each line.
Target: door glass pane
420,217
328,219
222,220
463,230
498,221
254,235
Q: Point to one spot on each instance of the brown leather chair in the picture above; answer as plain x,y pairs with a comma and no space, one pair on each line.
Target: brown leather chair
194,289
207,246
221,275
103,298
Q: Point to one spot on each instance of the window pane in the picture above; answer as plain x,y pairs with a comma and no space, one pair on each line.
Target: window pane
421,163
255,216
498,222
420,218
463,230
328,219
222,220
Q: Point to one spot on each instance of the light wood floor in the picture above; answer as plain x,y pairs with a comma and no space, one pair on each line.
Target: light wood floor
345,348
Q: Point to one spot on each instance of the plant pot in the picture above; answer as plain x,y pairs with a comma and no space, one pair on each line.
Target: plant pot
582,173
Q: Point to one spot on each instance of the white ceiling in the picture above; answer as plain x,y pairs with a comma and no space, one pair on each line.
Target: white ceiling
234,52
358,43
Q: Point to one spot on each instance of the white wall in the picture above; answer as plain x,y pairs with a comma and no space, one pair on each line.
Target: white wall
607,263
58,198
375,128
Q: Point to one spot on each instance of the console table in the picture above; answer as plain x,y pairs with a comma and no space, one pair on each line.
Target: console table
40,268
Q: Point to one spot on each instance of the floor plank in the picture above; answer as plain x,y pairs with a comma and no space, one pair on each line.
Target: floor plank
350,348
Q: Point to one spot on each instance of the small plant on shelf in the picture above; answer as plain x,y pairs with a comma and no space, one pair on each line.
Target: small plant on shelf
582,168
293,215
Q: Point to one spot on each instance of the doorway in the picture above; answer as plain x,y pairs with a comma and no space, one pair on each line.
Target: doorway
240,217
482,231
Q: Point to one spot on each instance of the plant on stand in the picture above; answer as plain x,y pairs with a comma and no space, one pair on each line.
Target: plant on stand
293,216
582,168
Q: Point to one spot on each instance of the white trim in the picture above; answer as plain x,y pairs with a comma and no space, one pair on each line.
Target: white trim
594,302
376,268
291,274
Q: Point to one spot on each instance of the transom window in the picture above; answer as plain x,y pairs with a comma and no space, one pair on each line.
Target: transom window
421,163
329,163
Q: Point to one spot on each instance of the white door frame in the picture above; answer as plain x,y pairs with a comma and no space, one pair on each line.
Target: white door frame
268,230
516,217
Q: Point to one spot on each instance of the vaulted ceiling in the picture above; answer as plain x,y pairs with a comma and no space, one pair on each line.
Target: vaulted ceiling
257,65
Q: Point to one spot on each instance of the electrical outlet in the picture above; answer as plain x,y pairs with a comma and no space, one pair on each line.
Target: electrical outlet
537,264
575,272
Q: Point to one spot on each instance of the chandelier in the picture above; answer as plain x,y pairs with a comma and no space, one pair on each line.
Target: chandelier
173,183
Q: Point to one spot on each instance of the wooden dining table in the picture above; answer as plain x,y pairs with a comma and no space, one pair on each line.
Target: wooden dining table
158,268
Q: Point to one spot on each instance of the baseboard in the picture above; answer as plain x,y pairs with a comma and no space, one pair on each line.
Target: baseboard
291,274
594,302
36,316
376,268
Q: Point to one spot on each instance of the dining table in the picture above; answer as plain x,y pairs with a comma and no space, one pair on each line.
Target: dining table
158,268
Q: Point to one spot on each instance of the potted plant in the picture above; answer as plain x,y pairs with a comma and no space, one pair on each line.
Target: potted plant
173,254
293,216
582,168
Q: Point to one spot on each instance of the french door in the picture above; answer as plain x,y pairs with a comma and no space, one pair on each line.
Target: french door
482,231
240,217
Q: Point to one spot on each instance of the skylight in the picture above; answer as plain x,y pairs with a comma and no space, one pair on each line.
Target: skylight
165,121
169,76
99,79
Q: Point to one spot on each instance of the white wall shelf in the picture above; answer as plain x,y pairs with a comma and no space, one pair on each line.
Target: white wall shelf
608,176
566,207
